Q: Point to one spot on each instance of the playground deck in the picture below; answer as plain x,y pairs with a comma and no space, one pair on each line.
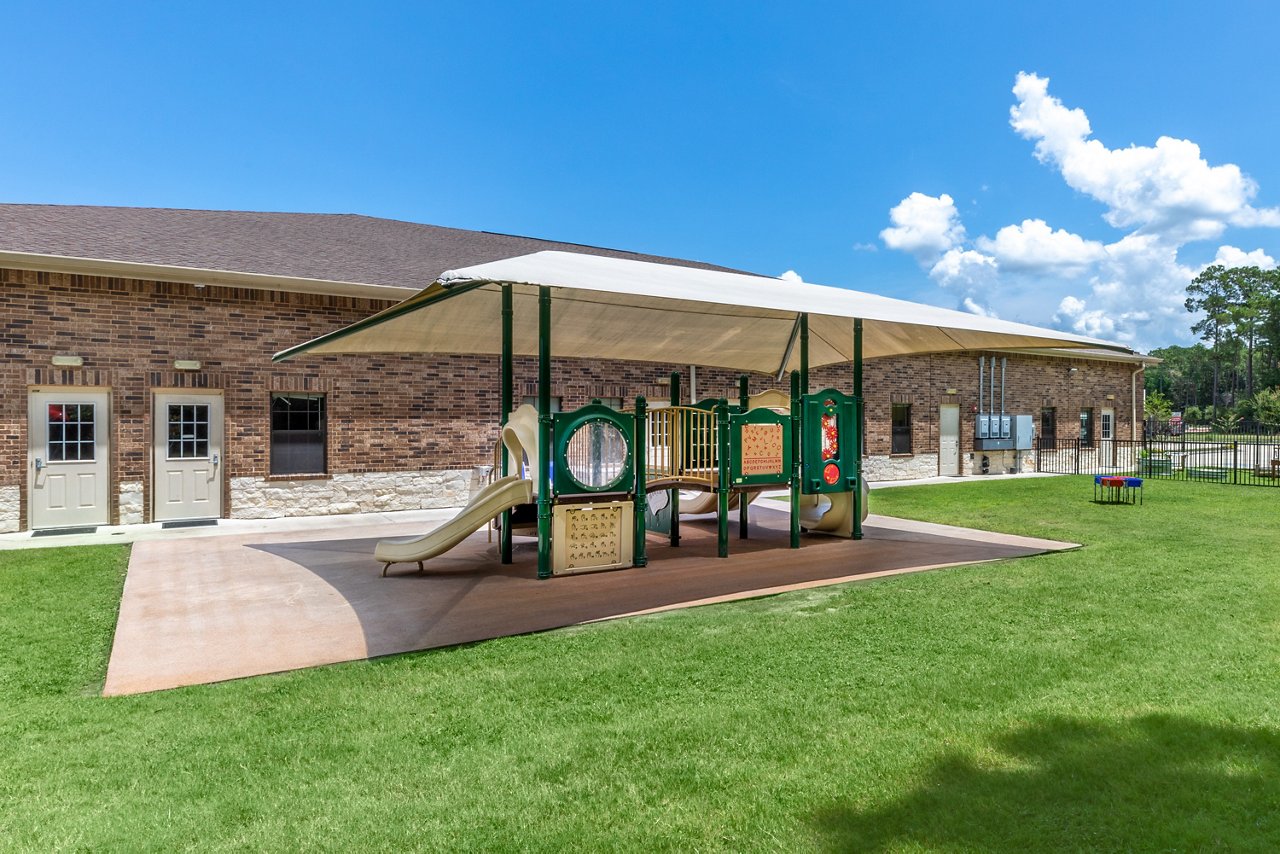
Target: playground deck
245,605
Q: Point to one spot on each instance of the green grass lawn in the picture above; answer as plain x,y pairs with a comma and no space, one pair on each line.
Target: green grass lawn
1124,696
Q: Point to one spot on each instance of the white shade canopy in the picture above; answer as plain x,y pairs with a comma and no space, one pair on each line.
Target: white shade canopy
641,311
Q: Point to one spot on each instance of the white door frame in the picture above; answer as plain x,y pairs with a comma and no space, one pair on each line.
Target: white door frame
1107,434
93,496
187,486
942,463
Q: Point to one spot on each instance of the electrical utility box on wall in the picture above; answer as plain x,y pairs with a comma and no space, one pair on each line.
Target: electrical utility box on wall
1024,432
1005,433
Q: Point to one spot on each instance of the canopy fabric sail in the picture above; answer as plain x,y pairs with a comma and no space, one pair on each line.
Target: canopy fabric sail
641,311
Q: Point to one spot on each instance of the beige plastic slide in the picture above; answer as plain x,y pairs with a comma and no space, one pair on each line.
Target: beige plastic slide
490,502
832,513
520,435
695,503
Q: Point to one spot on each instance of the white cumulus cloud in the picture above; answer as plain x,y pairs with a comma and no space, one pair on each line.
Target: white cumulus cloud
925,226
1129,287
972,306
1168,187
1033,245
791,276
964,268
1230,256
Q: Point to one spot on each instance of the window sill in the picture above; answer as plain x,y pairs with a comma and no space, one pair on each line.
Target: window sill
320,476
901,456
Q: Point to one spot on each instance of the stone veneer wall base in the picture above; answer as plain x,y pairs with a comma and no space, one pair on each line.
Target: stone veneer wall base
131,503
900,468
10,509
374,492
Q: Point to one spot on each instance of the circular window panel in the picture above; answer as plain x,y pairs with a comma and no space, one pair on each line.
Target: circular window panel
597,455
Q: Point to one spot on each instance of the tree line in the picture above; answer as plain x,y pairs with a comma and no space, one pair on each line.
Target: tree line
1235,372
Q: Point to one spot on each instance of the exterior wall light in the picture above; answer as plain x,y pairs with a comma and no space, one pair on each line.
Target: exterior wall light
67,361
187,364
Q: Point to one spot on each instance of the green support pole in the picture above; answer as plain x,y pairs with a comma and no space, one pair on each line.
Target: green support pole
675,446
639,558
744,400
722,479
544,432
795,459
507,369
857,414
804,353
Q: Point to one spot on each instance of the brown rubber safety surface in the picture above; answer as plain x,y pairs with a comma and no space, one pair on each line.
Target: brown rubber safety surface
197,611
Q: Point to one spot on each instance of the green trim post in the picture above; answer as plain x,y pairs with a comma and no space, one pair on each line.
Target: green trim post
795,459
857,414
804,353
544,431
675,447
639,557
722,478
506,369
744,401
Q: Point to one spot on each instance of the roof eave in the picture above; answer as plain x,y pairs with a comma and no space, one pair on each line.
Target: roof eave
200,276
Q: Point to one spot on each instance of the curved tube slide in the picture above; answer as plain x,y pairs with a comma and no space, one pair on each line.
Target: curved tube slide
488,503
831,513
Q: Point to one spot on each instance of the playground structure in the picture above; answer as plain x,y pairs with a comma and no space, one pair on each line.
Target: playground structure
592,470
606,463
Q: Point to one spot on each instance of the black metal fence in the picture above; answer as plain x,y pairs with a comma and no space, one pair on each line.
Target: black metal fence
1183,458
1258,432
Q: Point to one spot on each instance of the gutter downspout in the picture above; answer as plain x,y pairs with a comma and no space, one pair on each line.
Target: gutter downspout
1133,402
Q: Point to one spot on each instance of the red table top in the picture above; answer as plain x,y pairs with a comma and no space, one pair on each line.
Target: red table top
1113,481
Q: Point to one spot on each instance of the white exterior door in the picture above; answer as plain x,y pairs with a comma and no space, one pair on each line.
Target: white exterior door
949,439
69,458
1106,433
187,457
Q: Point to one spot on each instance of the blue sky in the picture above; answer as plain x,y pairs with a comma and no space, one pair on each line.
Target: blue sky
769,137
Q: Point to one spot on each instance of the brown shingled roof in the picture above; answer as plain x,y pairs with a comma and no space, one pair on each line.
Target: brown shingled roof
329,247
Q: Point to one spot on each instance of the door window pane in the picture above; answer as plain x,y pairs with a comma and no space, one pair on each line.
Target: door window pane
70,433
298,434
1048,427
1086,428
901,424
188,431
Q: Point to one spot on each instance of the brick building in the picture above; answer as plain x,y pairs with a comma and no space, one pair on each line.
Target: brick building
137,383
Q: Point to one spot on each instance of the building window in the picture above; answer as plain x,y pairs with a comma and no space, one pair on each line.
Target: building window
71,433
298,434
1048,427
532,400
1086,428
188,431
615,403
901,424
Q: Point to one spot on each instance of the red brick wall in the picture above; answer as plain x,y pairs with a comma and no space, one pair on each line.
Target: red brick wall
397,412
1031,382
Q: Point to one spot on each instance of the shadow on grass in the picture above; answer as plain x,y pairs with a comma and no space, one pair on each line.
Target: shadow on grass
1152,783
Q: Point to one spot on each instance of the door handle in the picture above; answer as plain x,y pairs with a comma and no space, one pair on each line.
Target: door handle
39,463
215,459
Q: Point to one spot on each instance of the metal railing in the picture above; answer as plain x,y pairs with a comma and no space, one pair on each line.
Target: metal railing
1183,458
683,443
